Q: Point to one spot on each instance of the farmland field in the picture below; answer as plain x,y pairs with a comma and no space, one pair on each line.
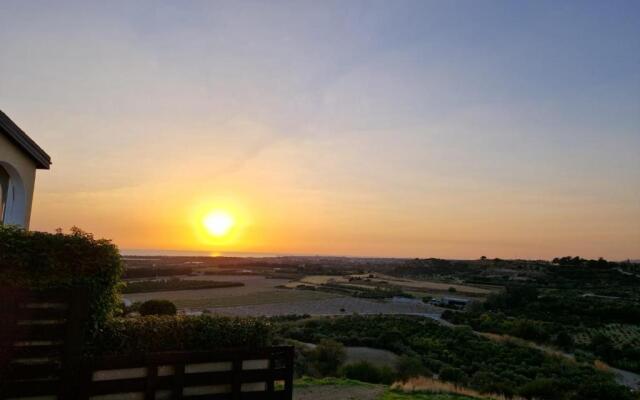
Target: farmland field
159,285
267,299
621,335
366,281
331,306
262,296
256,290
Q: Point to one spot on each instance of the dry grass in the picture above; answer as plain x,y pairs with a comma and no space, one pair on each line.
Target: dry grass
405,284
522,342
437,386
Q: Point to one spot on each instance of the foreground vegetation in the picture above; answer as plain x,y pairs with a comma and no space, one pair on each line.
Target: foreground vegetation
588,325
459,356
174,333
346,387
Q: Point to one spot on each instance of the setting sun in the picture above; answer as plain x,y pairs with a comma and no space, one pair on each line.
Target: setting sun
218,223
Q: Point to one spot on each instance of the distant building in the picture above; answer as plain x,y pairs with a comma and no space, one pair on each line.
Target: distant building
452,302
20,157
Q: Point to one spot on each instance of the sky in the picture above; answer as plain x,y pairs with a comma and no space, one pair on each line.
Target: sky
451,129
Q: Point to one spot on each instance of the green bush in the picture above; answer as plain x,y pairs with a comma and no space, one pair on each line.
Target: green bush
158,307
39,260
541,389
410,367
452,374
328,356
176,333
366,372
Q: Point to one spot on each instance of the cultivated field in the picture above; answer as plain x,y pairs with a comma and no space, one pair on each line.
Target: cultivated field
341,305
621,335
263,296
256,290
370,280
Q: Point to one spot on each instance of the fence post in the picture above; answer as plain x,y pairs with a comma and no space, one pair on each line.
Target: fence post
72,376
288,383
178,386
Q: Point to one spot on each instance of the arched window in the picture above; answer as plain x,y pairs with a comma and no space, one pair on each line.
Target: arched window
4,191
13,200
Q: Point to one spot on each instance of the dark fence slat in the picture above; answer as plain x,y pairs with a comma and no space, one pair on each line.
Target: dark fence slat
27,333
28,388
24,372
42,313
36,351
216,396
118,386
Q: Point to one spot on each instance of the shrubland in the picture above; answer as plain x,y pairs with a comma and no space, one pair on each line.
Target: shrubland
464,358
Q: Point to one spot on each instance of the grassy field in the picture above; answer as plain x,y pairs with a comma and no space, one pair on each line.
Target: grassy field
346,389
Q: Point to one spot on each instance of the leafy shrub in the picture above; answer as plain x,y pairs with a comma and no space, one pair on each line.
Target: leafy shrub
302,361
128,309
564,340
366,372
175,333
39,260
158,307
453,375
541,389
410,367
328,356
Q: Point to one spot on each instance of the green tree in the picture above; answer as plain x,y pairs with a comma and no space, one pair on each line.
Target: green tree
452,374
409,367
328,356
603,346
158,307
366,372
564,340
541,389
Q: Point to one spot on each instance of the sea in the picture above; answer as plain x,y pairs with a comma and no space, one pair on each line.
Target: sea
189,253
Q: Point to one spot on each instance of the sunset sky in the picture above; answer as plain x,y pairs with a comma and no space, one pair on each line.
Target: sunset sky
448,129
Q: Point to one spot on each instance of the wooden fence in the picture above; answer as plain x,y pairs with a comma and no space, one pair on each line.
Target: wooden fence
41,336
229,374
